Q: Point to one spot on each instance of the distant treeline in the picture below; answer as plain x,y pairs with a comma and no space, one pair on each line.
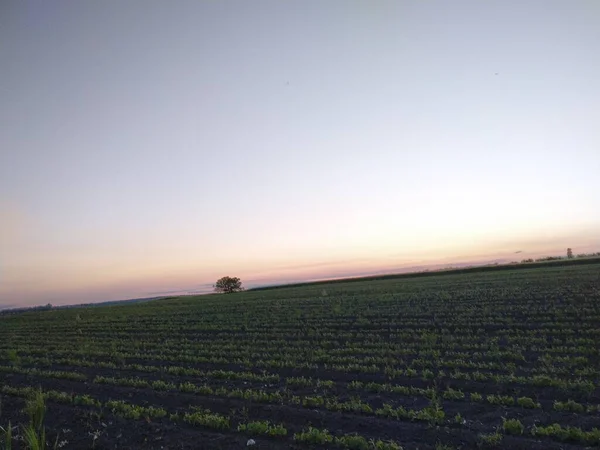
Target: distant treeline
560,258
550,261
80,305
27,308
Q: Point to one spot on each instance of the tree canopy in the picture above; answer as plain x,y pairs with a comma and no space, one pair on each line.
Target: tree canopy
228,285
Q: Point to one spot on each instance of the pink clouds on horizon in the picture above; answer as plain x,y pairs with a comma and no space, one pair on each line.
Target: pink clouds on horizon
188,284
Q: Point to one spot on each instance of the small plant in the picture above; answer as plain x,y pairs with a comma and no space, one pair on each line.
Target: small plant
160,385
440,446
385,445
129,411
410,372
298,381
478,376
34,434
13,356
85,400
61,397
355,385
34,439
593,408
543,380
428,374
352,442
187,387
6,437
452,394
313,402
207,419
528,403
314,436
476,397
204,390
434,414
325,383
513,426
574,434
262,427
490,439
35,408
505,400
569,405
120,408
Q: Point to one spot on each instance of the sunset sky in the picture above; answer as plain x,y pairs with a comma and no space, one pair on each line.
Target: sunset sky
149,147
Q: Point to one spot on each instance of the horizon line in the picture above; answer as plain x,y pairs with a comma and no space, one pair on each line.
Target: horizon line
412,270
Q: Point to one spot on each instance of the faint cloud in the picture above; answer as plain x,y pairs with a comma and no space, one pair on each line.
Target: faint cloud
178,291
519,251
13,225
198,289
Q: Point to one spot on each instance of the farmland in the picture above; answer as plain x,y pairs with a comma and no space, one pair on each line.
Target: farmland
497,359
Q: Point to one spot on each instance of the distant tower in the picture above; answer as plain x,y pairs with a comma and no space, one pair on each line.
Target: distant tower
569,253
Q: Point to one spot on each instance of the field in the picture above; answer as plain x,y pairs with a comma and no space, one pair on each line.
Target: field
498,359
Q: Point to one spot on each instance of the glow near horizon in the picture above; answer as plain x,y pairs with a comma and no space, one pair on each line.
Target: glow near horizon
149,147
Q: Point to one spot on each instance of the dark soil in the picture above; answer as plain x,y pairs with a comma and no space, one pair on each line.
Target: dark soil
77,425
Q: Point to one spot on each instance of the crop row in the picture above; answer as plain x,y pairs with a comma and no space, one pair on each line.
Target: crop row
533,334
202,417
511,360
580,385
205,418
333,403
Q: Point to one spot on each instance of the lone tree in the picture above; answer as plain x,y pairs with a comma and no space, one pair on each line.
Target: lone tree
569,253
228,285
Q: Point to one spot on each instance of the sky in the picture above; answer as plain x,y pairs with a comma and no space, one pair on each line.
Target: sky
151,147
